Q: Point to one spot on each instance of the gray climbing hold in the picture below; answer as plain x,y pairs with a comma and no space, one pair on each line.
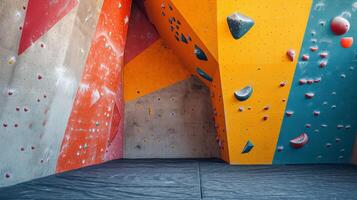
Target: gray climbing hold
244,93
248,147
239,24
200,54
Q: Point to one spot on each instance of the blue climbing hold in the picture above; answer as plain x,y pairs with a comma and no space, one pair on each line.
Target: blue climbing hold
244,93
200,54
239,24
203,74
248,147
183,38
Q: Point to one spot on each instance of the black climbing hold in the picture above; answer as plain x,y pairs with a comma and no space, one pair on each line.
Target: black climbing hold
244,93
200,54
183,38
239,24
203,74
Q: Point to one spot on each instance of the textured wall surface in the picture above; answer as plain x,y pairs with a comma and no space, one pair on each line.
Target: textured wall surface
174,122
248,127
46,48
167,114
329,118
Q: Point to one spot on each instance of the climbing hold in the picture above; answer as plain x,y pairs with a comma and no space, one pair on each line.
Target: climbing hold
309,95
203,74
183,38
11,60
340,25
289,113
316,113
317,80
323,54
266,107
328,145
346,42
248,147
323,64
314,48
241,109
265,118
299,141
340,126
244,93
338,140
282,84
280,148
239,24
310,81
291,54
305,57
302,81
308,125
200,54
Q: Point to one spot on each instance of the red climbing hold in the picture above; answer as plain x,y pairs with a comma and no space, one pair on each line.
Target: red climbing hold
300,141
305,57
289,113
291,54
316,113
323,54
314,48
340,25
309,95
282,84
302,81
346,42
323,64
265,118
317,80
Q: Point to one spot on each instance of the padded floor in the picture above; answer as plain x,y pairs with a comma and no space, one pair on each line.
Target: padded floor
192,179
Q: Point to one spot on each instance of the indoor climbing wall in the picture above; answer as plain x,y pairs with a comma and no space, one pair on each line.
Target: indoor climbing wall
167,112
262,65
322,98
61,101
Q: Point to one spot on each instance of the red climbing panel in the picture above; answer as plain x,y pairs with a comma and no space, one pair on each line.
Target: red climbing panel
41,15
95,127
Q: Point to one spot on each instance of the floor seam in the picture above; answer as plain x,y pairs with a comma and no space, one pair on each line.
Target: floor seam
199,178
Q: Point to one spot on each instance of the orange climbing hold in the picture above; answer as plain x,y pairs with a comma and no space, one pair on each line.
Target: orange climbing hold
346,42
